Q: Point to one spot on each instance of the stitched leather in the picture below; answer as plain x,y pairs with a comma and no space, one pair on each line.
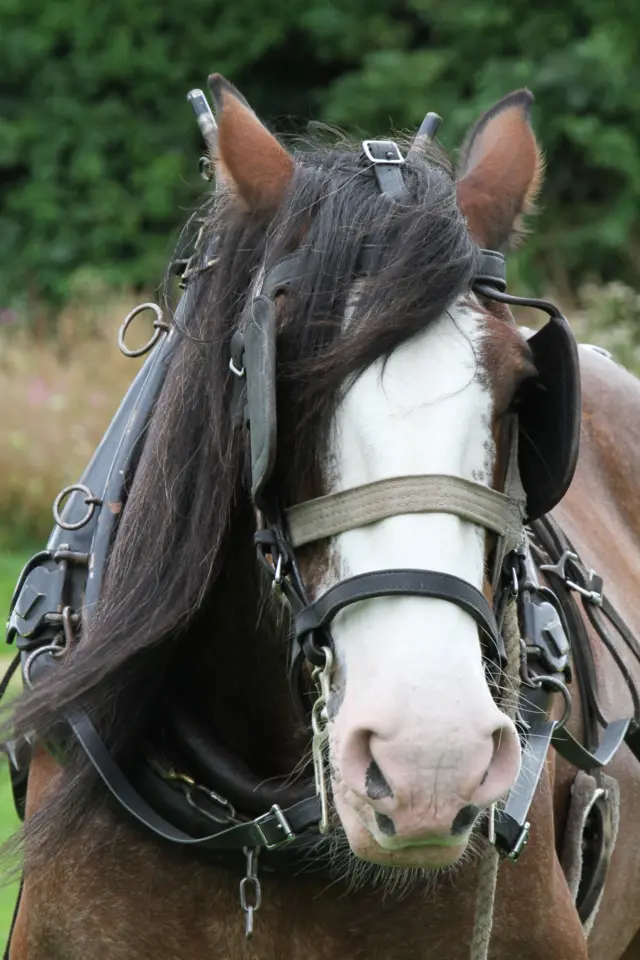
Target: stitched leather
260,364
384,583
300,817
335,513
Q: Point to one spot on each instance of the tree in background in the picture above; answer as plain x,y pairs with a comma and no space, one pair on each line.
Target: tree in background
98,146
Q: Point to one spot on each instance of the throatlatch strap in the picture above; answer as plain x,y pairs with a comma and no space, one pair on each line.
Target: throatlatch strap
435,493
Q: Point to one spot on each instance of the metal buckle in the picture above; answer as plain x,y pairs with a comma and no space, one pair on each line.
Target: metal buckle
393,159
521,842
593,596
283,824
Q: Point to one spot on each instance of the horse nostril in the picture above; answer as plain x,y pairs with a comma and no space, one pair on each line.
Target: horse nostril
464,819
385,825
375,784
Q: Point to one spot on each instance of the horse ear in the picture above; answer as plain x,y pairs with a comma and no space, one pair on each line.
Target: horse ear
250,160
500,171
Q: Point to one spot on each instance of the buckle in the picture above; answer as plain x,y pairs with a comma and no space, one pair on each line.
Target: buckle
390,148
265,825
521,841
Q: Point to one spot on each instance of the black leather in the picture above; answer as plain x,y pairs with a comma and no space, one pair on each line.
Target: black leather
388,169
550,419
213,766
491,269
578,755
384,583
269,832
260,366
550,416
511,820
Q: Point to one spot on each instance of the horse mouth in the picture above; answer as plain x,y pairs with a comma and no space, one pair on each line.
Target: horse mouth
371,839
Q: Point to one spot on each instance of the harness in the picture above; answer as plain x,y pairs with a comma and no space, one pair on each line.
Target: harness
59,587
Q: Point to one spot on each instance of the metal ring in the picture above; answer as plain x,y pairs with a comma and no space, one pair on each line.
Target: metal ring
539,680
89,499
254,884
53,648
160,324
206,168
239,373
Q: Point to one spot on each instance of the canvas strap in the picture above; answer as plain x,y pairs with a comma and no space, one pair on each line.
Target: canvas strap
435,493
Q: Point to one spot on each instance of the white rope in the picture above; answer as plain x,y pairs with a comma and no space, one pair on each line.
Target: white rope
488,869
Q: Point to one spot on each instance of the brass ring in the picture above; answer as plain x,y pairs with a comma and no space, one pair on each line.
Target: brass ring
89,499
160,326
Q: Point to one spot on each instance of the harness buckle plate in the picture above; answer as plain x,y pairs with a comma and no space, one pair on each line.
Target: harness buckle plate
392,152
521,842
282,825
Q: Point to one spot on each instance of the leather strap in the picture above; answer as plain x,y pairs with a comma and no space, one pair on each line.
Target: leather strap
596,753
384,583
516,495
14,917
578,755
274,828
511,820
338,512
387,163
491,269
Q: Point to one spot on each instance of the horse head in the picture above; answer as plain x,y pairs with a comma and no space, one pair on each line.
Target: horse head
388,365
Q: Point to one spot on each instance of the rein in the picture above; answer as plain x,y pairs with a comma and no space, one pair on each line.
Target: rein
531,635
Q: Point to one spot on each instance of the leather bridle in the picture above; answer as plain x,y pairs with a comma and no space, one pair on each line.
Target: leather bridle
58,575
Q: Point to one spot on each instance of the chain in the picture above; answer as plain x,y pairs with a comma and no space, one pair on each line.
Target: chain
250,885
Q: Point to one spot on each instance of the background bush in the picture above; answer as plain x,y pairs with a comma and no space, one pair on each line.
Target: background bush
98,145
98,168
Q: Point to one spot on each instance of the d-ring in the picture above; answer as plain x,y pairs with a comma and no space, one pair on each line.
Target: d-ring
540,680
89,499
53,648
160,326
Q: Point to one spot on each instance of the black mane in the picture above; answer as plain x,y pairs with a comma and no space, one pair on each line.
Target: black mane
183,547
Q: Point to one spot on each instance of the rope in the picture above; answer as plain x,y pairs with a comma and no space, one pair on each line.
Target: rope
488,869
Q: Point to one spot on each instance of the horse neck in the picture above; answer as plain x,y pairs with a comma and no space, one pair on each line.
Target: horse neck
606,486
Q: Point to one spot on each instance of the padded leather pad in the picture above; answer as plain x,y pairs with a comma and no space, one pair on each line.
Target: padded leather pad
550,419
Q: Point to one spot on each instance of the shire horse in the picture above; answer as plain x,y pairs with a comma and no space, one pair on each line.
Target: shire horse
345,334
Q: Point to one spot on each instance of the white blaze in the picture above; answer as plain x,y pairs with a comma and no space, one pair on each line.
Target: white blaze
416,698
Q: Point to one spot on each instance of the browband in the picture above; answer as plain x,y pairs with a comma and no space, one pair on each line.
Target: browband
338,512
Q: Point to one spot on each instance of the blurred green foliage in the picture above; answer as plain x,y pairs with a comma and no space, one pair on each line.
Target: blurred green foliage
98,147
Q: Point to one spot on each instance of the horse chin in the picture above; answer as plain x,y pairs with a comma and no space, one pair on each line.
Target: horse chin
368,843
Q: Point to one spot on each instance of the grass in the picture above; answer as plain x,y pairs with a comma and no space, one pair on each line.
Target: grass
8,825
58,396
10,566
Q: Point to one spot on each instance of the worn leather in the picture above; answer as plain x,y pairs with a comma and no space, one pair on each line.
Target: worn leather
337,512
260,366
550,419
384,583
